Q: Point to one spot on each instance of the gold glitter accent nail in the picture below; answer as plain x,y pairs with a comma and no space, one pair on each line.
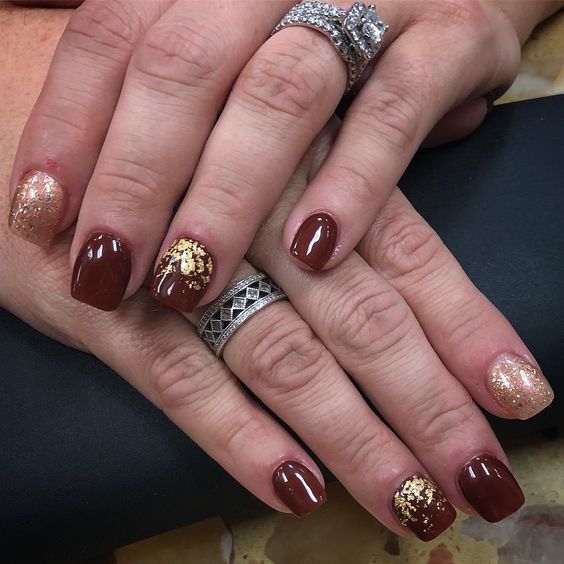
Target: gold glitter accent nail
418,500
518,386
191,259
37,208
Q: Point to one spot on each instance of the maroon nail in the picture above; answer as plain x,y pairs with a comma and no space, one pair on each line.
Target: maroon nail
101,272
183,275
298,488
315,240
490,488
422,508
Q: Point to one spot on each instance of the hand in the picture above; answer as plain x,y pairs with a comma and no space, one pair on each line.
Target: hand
367,329
146,97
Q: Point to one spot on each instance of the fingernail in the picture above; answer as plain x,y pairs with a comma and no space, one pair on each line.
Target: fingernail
518,386
422,508
315,241
37,208
298,488
490,488
183,275
101,272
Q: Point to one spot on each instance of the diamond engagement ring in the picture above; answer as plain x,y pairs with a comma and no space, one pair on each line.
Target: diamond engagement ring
356,33
240,302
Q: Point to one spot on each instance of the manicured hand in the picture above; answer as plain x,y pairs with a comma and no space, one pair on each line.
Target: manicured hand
145,98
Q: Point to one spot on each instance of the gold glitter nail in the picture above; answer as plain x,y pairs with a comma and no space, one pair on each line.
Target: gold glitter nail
37,208
422,507
518,386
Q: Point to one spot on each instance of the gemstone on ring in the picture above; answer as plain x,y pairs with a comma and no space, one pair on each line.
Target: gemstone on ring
356,33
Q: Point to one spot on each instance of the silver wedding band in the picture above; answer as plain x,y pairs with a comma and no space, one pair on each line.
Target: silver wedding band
234,307
356,33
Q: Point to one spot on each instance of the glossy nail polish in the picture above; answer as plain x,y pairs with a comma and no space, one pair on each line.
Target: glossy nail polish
101,272
315,241
490,488
183,275
518,386
37,208
422,508
298,488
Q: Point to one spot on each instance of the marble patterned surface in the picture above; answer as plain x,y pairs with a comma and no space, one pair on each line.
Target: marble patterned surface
341,532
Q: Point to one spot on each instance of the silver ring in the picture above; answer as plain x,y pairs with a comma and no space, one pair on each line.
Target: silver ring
356,33
235,306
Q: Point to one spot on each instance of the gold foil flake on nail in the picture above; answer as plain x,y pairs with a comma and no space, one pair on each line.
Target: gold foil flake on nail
191,259
37,208
417,500
519,387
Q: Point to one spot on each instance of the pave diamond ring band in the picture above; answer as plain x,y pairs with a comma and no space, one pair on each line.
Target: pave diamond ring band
356,33
237,304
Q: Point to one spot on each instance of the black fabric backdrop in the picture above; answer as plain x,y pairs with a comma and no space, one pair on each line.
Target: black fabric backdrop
87,464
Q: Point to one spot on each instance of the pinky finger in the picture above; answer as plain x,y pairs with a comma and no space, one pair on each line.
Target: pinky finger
471,336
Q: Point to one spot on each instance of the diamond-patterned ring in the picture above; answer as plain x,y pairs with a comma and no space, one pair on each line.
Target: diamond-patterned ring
356,33
235,306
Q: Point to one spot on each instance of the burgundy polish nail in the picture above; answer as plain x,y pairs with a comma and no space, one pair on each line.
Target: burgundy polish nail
422,508
183,275
101,272
298,488
490,488
315,241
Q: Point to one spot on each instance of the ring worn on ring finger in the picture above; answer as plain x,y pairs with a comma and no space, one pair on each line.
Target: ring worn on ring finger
235,306
356,33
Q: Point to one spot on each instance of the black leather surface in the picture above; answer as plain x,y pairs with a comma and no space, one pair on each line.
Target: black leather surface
86,464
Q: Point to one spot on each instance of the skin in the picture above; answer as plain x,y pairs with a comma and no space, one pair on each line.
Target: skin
381,300
175,83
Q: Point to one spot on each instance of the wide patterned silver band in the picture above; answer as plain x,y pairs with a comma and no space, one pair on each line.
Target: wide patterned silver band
356,33
240,302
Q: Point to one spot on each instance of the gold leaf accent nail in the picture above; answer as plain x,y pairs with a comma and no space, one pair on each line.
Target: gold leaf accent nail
422,507
183,274
518,386
37,208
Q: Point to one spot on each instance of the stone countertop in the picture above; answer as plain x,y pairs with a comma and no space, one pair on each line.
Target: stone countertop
341,532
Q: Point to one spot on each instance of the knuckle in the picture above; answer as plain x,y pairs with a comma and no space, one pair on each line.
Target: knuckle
468,14
368,319
353,179
365,451
283,82
226,194
467,319
404,245
286,359
130,187
238,433
103,28
440,417
180,54
183,376
396,110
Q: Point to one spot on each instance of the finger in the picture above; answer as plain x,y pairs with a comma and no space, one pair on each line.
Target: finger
66,129
174,88
473,339
159,353
458,123
280,101
374,336
279,358
416,81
